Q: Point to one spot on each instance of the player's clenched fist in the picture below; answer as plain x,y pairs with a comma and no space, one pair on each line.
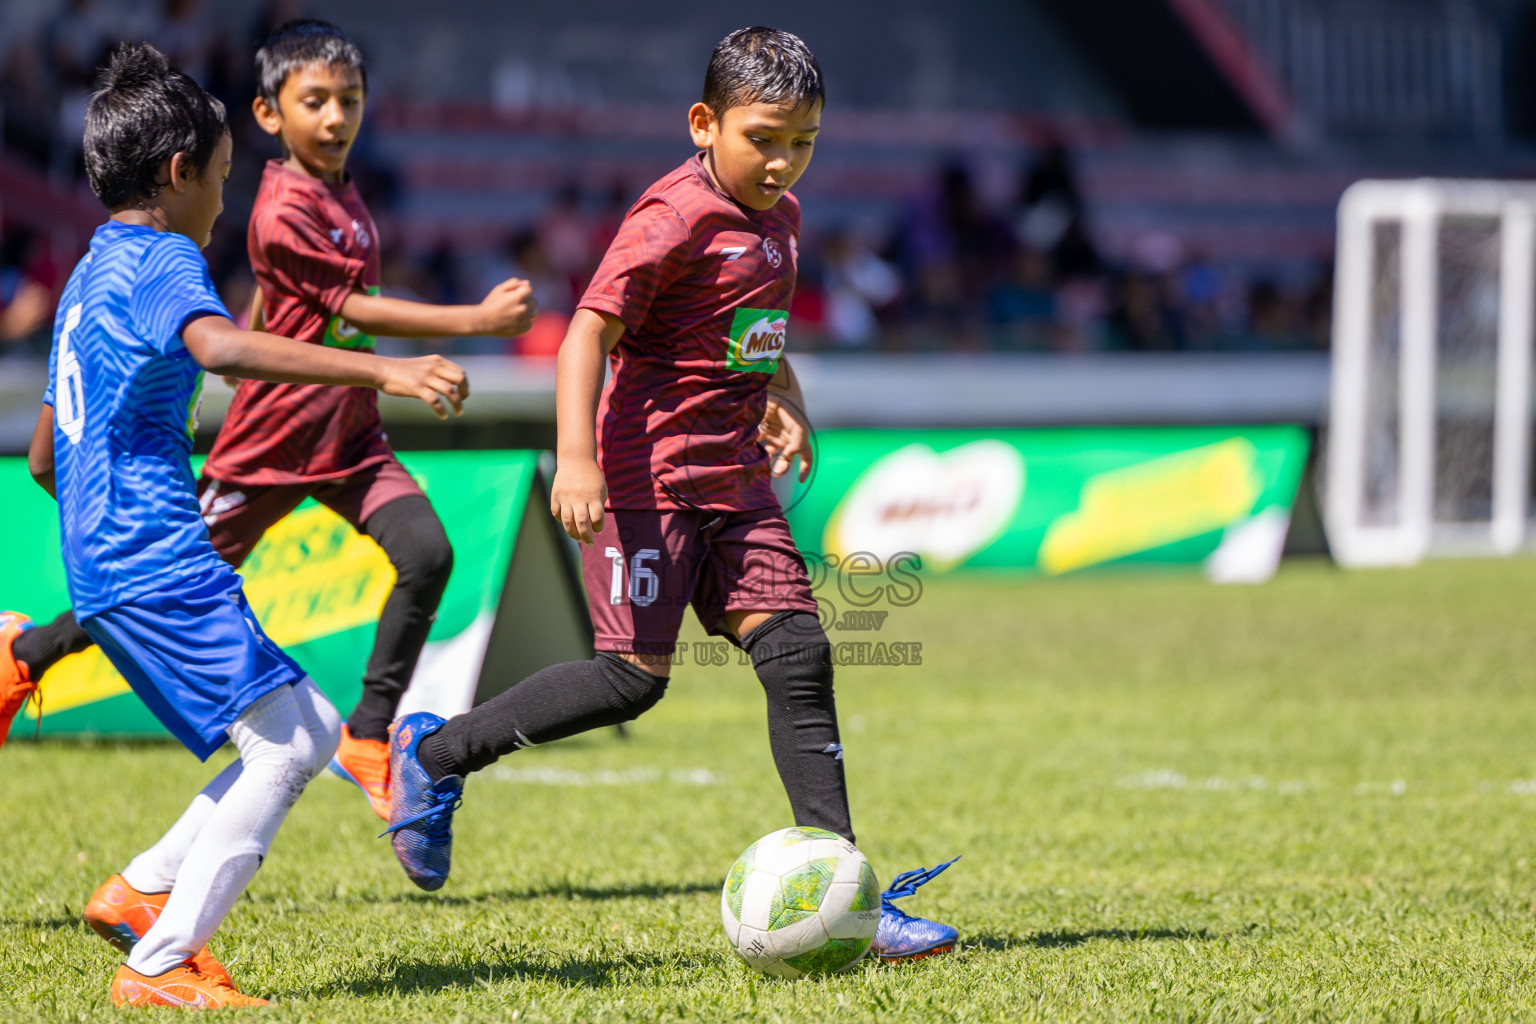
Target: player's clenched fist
429,378
578,497
509,309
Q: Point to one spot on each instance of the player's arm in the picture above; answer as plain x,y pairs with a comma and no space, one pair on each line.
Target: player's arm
786,431
221,347
40,455
508,310
579,492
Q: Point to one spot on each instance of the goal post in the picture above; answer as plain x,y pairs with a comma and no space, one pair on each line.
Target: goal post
1429,431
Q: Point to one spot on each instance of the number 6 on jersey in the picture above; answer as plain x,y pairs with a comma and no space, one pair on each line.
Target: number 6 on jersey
69,393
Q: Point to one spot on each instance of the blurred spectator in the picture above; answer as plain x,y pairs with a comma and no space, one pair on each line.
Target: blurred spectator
74,40
565,238
951,250
856,286
1052,216
28,282
26,105
186,37
525,255
1023,304
605,227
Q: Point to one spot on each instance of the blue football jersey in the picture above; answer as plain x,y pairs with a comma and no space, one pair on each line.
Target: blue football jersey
124,390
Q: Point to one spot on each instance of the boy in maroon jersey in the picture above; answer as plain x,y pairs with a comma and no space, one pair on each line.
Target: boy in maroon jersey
314,250
699,412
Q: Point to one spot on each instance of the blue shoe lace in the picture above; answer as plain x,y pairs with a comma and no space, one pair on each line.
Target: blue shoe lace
437,817
907,883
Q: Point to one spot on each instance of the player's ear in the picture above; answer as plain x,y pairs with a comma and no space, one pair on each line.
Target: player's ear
267,115
178,172
701,125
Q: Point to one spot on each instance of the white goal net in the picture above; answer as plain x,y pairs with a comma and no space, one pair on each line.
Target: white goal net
1429,432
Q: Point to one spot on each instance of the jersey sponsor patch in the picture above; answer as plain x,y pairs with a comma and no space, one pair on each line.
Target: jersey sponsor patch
757,340
341,334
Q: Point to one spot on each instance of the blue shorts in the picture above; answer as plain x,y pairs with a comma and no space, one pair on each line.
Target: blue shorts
194,654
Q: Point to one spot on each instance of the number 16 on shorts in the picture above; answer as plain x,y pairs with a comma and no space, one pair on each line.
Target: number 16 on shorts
644,584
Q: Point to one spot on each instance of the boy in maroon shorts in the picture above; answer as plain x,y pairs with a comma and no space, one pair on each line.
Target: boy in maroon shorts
699,413
315,253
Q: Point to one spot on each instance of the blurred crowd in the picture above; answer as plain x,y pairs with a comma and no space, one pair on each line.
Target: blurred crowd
948,272
945,270
955,272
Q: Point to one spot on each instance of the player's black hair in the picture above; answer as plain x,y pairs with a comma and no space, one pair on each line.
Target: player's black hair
761,65
298,44
142,113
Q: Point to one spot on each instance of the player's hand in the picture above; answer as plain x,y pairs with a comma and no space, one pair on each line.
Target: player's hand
577,498
509,309
785,433
429,378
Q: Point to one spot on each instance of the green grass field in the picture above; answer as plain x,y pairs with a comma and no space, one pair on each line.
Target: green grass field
1310,800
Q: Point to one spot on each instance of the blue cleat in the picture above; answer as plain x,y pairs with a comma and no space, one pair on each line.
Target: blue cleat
420,810
902,936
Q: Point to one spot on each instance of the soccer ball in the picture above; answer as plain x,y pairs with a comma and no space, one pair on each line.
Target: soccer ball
800,901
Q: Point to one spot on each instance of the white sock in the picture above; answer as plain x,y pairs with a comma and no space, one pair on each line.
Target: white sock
155,869
279,753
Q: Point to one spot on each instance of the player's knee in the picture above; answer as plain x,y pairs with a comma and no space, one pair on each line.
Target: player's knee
413,537
791,653
325,735
425,561
322,723
435,559
635,690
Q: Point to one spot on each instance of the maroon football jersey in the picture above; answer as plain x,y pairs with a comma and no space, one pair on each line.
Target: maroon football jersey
703,286
311,245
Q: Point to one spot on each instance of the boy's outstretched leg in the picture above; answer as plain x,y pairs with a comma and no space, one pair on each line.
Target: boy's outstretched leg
413,538
126,905
793,659
279,753
430,757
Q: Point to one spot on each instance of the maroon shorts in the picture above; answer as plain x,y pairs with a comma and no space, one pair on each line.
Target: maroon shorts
649,565
238,515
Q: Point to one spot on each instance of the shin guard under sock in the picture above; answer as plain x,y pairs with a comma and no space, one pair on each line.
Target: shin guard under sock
794,663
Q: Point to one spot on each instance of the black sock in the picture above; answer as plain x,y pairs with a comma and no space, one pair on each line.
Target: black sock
551,704
42,646
413,537
794,663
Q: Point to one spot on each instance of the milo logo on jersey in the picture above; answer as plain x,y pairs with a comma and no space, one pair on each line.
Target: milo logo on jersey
340,334
757,340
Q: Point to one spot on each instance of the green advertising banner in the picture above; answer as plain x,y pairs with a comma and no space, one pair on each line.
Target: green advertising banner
512,605
1056,501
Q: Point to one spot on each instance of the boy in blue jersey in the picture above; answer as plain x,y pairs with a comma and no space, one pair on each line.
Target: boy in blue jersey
138,324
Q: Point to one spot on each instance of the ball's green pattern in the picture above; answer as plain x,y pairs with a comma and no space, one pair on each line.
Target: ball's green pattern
804,833
800,893
834,956
868,896
736,881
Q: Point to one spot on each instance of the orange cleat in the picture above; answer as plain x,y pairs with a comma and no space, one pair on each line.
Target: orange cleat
365,764
183,987
15,687
121,914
